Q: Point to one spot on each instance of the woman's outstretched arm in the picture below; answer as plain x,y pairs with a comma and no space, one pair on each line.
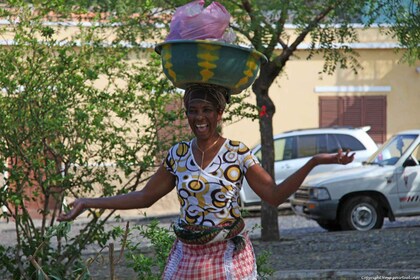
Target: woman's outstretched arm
160,184
264,186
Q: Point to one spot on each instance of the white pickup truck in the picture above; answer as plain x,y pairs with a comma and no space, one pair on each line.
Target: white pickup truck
386,185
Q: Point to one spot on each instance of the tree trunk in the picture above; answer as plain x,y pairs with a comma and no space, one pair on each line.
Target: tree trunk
269,221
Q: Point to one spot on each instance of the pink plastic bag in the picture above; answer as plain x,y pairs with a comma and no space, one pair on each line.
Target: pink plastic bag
192,22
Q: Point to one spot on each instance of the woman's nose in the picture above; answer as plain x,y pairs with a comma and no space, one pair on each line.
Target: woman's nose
200,114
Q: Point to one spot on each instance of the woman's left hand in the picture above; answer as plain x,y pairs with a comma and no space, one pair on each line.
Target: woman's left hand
338,158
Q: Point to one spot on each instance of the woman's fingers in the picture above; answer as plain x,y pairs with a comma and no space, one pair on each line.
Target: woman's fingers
344,158
76,208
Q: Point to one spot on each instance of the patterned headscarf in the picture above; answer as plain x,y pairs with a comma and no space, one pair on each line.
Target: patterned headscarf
216,95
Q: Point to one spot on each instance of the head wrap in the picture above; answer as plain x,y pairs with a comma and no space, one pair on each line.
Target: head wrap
216,95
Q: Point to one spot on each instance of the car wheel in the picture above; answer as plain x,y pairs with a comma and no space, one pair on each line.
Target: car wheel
329,225
361,213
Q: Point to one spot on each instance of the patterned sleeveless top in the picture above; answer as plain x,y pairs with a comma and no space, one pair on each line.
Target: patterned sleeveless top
209,196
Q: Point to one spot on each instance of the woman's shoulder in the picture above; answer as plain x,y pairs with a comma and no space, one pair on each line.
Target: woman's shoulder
181,143
180,149
237,146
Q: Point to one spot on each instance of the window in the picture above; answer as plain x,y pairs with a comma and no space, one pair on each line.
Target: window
283,149
413,159
307,145
279,149
416,153
393,150
348,142
333,144
355,111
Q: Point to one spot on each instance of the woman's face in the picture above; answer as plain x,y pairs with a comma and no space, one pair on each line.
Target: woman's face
203,118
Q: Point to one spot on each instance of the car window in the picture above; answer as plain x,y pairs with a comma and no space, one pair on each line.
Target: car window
333,144
283,149
416,153
287,148
413,159
348,142
279,146
306,145
310,145
288,152
392,150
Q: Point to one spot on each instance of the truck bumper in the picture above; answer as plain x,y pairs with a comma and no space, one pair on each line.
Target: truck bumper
316,210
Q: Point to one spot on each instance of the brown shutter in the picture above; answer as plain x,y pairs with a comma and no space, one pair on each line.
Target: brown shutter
329,111
351,114
355,111
375,116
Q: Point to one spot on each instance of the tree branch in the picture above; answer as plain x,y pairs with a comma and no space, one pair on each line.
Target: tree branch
280,60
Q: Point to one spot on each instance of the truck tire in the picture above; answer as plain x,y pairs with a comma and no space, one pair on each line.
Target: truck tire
361,213
329,225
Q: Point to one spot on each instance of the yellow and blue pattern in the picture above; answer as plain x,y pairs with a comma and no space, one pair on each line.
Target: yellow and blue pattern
187,62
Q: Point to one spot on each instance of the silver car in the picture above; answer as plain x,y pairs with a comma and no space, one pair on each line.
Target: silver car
387,185
293,149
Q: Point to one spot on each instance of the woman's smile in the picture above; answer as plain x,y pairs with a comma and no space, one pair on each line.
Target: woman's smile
203,118
202,127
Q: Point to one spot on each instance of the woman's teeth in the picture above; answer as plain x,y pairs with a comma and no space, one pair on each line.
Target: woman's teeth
201,126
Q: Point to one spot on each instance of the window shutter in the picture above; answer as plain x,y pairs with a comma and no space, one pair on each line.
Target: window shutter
355,111
329,111
351,114
375,116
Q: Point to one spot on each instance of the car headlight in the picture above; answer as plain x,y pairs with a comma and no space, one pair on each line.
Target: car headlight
319,194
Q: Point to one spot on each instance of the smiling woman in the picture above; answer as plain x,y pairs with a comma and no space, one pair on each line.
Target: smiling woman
204,106
208,172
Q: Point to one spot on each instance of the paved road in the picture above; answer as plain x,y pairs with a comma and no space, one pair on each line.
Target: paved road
306,251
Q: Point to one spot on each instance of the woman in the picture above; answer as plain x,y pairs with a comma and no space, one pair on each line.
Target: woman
208,172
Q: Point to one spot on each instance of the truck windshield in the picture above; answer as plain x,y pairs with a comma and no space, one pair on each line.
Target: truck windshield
392,150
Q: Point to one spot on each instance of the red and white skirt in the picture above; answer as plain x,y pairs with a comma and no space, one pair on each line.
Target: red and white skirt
211,261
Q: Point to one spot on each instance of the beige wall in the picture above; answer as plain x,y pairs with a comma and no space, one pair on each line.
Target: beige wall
296,101
294,93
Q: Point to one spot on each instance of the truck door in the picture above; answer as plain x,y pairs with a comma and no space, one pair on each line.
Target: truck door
409,182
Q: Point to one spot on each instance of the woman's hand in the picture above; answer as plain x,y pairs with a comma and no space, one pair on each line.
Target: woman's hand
338,158
77,207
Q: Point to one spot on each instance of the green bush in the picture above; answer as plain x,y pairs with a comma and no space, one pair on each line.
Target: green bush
81,116
83,112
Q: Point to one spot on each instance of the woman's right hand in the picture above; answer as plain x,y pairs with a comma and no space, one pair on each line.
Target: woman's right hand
77,207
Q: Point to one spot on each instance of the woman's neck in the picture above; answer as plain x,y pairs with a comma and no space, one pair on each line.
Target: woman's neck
204,145
207,153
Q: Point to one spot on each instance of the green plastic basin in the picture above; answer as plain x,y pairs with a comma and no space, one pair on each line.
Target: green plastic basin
187,62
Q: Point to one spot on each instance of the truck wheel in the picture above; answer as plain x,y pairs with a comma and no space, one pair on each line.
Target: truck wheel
361,213
329,225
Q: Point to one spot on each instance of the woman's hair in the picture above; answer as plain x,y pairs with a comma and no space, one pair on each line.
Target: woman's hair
216,95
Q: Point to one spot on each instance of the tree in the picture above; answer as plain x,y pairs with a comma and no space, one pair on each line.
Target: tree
406,29
324,24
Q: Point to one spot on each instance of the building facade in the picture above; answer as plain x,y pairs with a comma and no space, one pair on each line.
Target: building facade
384,94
